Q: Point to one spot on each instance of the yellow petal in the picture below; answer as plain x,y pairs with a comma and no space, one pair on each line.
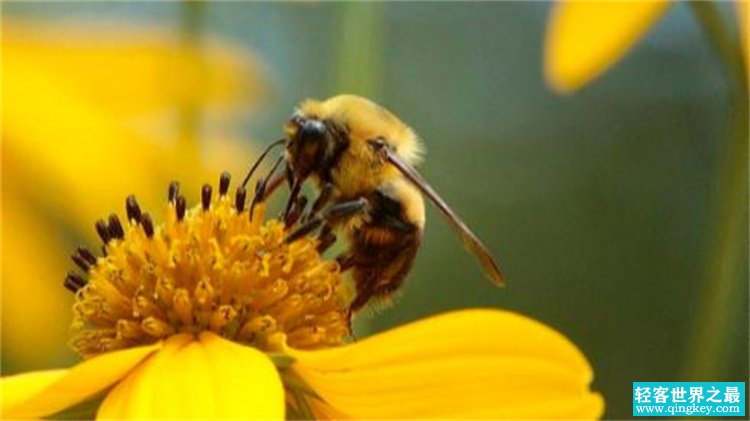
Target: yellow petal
207,379
21,387
584,38
43,393
468,364
486,330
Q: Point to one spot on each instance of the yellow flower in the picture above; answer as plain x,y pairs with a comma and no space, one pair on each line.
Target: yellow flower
88,111
213,314
585,38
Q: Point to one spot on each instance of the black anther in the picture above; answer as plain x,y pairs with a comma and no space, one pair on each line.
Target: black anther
115,228
70,286
103,230
87,255
174,190
147,224
74,282
180,206
133,209
260,191
81,262
206,196
224,183
239,199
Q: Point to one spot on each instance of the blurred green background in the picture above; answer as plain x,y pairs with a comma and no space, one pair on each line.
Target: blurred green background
598,205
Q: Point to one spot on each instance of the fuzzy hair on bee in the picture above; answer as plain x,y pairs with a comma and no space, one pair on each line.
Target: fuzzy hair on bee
362,159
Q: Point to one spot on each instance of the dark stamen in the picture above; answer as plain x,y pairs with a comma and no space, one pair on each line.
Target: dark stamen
87,255
115,228
174,190
147,224
180,206
205,196
260,191
133,209
103,231
81,262
74,282
68,284
224,183
239,199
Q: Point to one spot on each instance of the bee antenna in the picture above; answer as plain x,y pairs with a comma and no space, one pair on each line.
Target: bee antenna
260,159
261,190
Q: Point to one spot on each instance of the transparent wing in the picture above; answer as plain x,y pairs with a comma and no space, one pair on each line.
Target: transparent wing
469,239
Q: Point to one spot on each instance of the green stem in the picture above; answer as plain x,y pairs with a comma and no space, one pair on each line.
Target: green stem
360,49
722,299
191,28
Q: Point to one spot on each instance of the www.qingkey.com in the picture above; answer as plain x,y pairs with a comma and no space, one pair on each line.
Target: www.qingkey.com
688,409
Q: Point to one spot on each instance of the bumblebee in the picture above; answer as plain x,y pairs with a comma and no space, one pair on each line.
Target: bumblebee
361,157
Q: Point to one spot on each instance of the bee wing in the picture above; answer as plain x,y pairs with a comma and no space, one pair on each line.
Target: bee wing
470,240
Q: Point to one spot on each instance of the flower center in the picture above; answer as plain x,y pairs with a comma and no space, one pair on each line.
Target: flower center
216,267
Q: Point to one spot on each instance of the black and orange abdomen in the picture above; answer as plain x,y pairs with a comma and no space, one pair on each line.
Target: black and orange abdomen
382,249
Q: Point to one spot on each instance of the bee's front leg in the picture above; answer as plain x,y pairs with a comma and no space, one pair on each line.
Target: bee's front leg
326,193
331,215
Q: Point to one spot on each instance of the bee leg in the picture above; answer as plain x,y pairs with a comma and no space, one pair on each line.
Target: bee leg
326,238
323,198
345,261
296,212
362,298
289,174
349,326
272,185
295,188
332,214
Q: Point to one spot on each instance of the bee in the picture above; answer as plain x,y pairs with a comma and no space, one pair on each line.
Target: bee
361,157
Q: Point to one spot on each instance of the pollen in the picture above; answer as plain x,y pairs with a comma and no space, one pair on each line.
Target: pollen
219,266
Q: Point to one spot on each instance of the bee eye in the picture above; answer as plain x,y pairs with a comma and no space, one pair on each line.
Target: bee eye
314,129
378,144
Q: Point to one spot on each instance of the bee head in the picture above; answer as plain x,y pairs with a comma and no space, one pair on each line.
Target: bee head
310,146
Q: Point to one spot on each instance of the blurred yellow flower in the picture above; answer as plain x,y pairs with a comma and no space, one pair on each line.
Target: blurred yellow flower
584,38
90,111
213,314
